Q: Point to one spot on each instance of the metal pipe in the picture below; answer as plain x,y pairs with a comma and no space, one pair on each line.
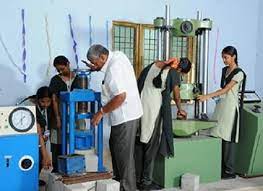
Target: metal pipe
82,84
198,51
64,130
72,128
197,66
198,59
166,44
192,73
159,43
205,67
197,71
167,15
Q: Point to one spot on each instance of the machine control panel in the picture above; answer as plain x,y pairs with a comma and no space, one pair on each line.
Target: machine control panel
17,120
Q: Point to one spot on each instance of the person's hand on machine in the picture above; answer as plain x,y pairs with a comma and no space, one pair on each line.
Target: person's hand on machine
90,65
97,117
203,97
181,114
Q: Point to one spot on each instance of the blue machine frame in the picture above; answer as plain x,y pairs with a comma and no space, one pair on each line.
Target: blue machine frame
68,103
15,149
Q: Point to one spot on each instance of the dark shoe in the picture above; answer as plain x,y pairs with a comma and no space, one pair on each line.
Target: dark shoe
138,186
228,175
116,178
151,186
41,183
54,170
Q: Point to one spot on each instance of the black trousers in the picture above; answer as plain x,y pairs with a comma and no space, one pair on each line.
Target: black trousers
145,155
122,143
228,157
40,158
56,151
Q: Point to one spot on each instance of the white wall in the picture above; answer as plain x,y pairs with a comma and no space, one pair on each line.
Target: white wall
237,23
259,62
236,20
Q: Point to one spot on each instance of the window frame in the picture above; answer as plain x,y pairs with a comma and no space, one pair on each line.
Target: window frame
138,53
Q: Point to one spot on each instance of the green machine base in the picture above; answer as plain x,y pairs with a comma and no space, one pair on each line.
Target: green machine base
183,128
199,155
249,156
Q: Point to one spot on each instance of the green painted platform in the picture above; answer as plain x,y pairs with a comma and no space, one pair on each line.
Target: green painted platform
188,127
249,150
200,155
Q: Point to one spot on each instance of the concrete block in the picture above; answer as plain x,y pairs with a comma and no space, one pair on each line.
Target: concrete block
190,182
74,187
91,186
54,184
107,185
91,159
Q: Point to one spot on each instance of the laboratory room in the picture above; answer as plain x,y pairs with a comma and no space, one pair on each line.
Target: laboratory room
131,95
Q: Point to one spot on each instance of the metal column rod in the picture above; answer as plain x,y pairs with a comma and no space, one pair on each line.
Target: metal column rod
159,43
166,52
205,66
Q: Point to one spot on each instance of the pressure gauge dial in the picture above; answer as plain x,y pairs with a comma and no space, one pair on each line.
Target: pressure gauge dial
21,119
186,27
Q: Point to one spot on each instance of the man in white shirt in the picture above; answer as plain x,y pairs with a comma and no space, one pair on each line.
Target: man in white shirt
122,101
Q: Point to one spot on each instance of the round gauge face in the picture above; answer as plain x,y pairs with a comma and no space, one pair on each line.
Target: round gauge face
186,27
21,119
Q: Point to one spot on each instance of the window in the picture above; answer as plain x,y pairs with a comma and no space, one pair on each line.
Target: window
125,36
179,47
124,40
149,45
139,43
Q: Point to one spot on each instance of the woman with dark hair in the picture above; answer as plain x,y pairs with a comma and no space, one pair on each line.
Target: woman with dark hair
64,81
42,101
155,83
227,108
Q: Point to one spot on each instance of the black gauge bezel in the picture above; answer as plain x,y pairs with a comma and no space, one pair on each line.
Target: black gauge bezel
18,109
188,24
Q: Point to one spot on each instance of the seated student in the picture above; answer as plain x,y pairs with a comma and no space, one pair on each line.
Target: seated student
42,100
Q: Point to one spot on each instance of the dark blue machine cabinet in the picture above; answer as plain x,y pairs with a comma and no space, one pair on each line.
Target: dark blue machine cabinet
73,138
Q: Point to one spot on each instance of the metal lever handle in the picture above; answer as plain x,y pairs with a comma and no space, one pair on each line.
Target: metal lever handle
256,109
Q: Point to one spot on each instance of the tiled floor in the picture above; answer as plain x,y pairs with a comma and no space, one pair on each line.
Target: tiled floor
238,184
